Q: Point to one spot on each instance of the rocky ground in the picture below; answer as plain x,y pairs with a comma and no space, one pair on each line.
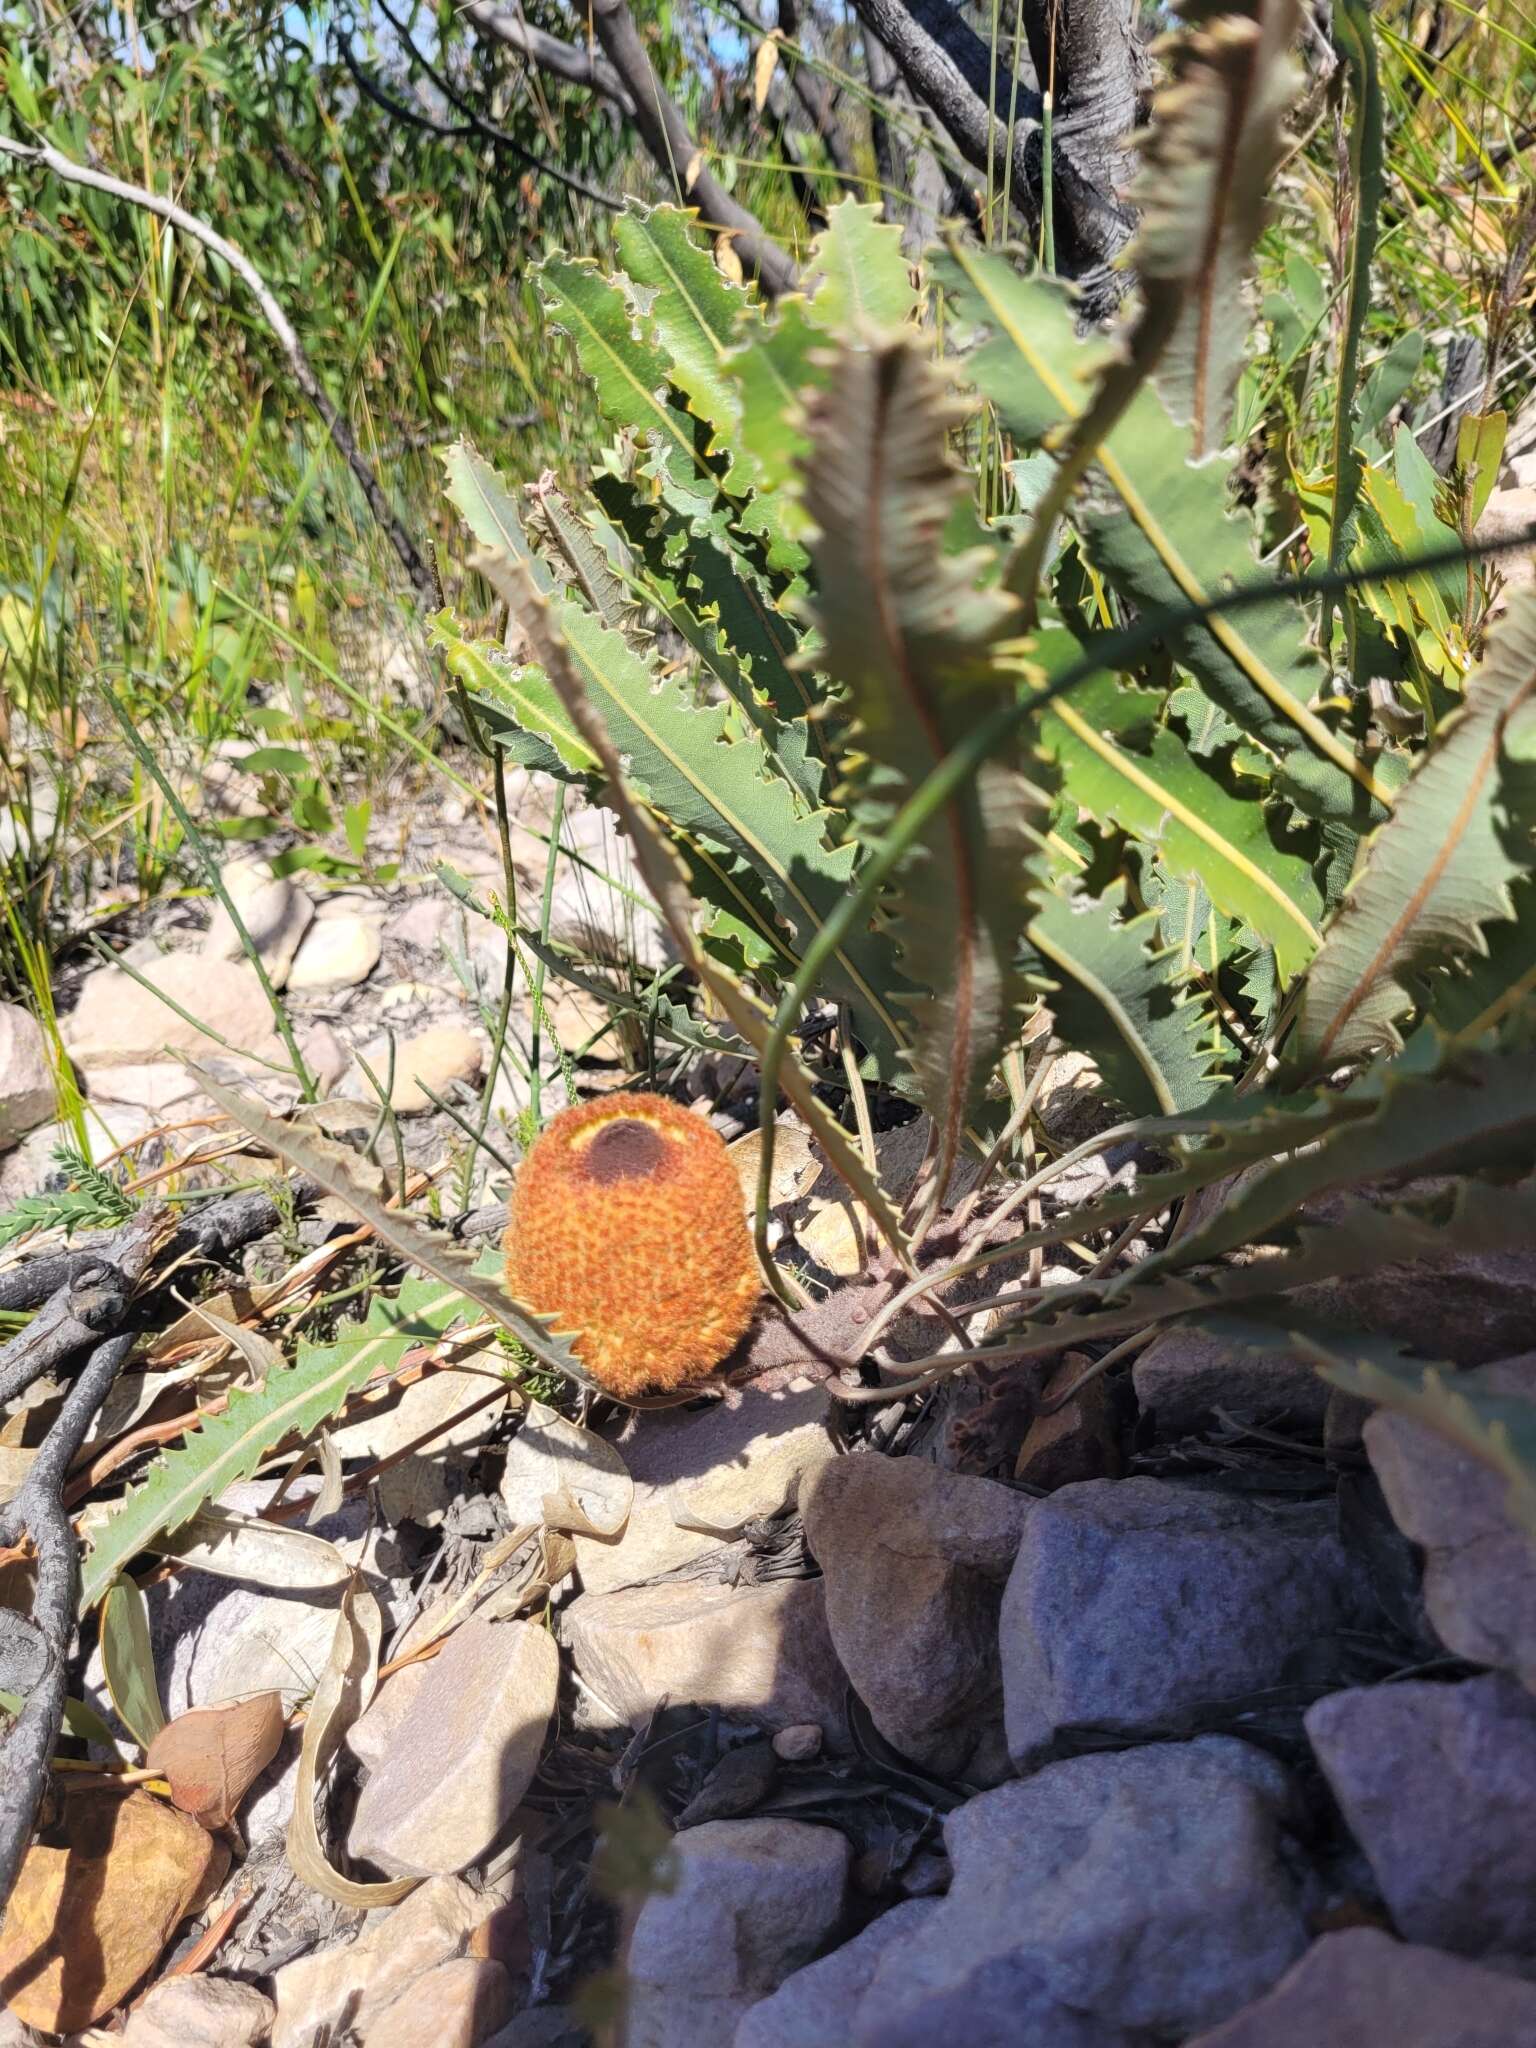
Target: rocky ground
1196,1712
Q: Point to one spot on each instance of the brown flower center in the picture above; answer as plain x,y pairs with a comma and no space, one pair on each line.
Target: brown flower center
624,1150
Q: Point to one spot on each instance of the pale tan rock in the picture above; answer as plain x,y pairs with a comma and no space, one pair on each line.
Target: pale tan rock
434,1402
701,1475
276,914
118,1022
762,1653
28,1094
336,952
1506,514
325,1056
88,1917
435,1059
458,2005
199,2011
464,1752
372,1735
349,1986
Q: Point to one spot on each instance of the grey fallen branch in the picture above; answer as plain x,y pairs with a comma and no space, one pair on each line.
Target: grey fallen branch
338,428
211,1231
38,1513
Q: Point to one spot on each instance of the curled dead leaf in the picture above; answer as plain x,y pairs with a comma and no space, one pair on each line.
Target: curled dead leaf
211,1756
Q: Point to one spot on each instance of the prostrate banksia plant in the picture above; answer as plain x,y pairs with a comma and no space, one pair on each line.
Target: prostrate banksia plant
627,1225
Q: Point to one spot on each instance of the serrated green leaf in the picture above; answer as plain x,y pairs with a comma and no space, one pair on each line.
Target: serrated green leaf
292,1402
520,690
668,884
629,373
1441,867
1102,967
695,313
1128,770
859,280
918,649
489,507
710,777
1163,534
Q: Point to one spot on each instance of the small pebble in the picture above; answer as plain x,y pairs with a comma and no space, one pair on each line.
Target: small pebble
797,1745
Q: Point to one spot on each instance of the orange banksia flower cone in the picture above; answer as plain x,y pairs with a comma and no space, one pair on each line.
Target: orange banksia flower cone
627,1225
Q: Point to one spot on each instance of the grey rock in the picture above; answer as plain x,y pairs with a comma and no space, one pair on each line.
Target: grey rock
1468,1307
1479,1565
1362,1989
1111,1901
915,1560
754,1900
1438,1785
27,1091
761,1653
1185,1375
815,2007
1134,1601
463,1753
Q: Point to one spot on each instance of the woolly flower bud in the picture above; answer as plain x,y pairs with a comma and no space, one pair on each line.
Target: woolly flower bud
627,1225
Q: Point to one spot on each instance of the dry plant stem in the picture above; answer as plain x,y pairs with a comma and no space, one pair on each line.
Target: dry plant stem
860,1100
1127,1348
38,1510
1006,1136
309,384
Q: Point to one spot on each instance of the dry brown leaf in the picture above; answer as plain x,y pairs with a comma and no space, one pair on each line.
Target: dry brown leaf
211,1756
764,64
347,1684
695,165
727,262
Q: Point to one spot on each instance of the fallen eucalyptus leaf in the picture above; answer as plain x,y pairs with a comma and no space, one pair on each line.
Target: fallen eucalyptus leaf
240,1546
567,1479
346,1686
129,1662
211,1756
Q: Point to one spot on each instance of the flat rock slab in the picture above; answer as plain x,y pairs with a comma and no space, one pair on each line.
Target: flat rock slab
914,1561
28,1092
1133,1602
760,1653
1479,1564
754,1900
1362,1989
1438,1785
333,1993
463,1753
1108,1902
120,1022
